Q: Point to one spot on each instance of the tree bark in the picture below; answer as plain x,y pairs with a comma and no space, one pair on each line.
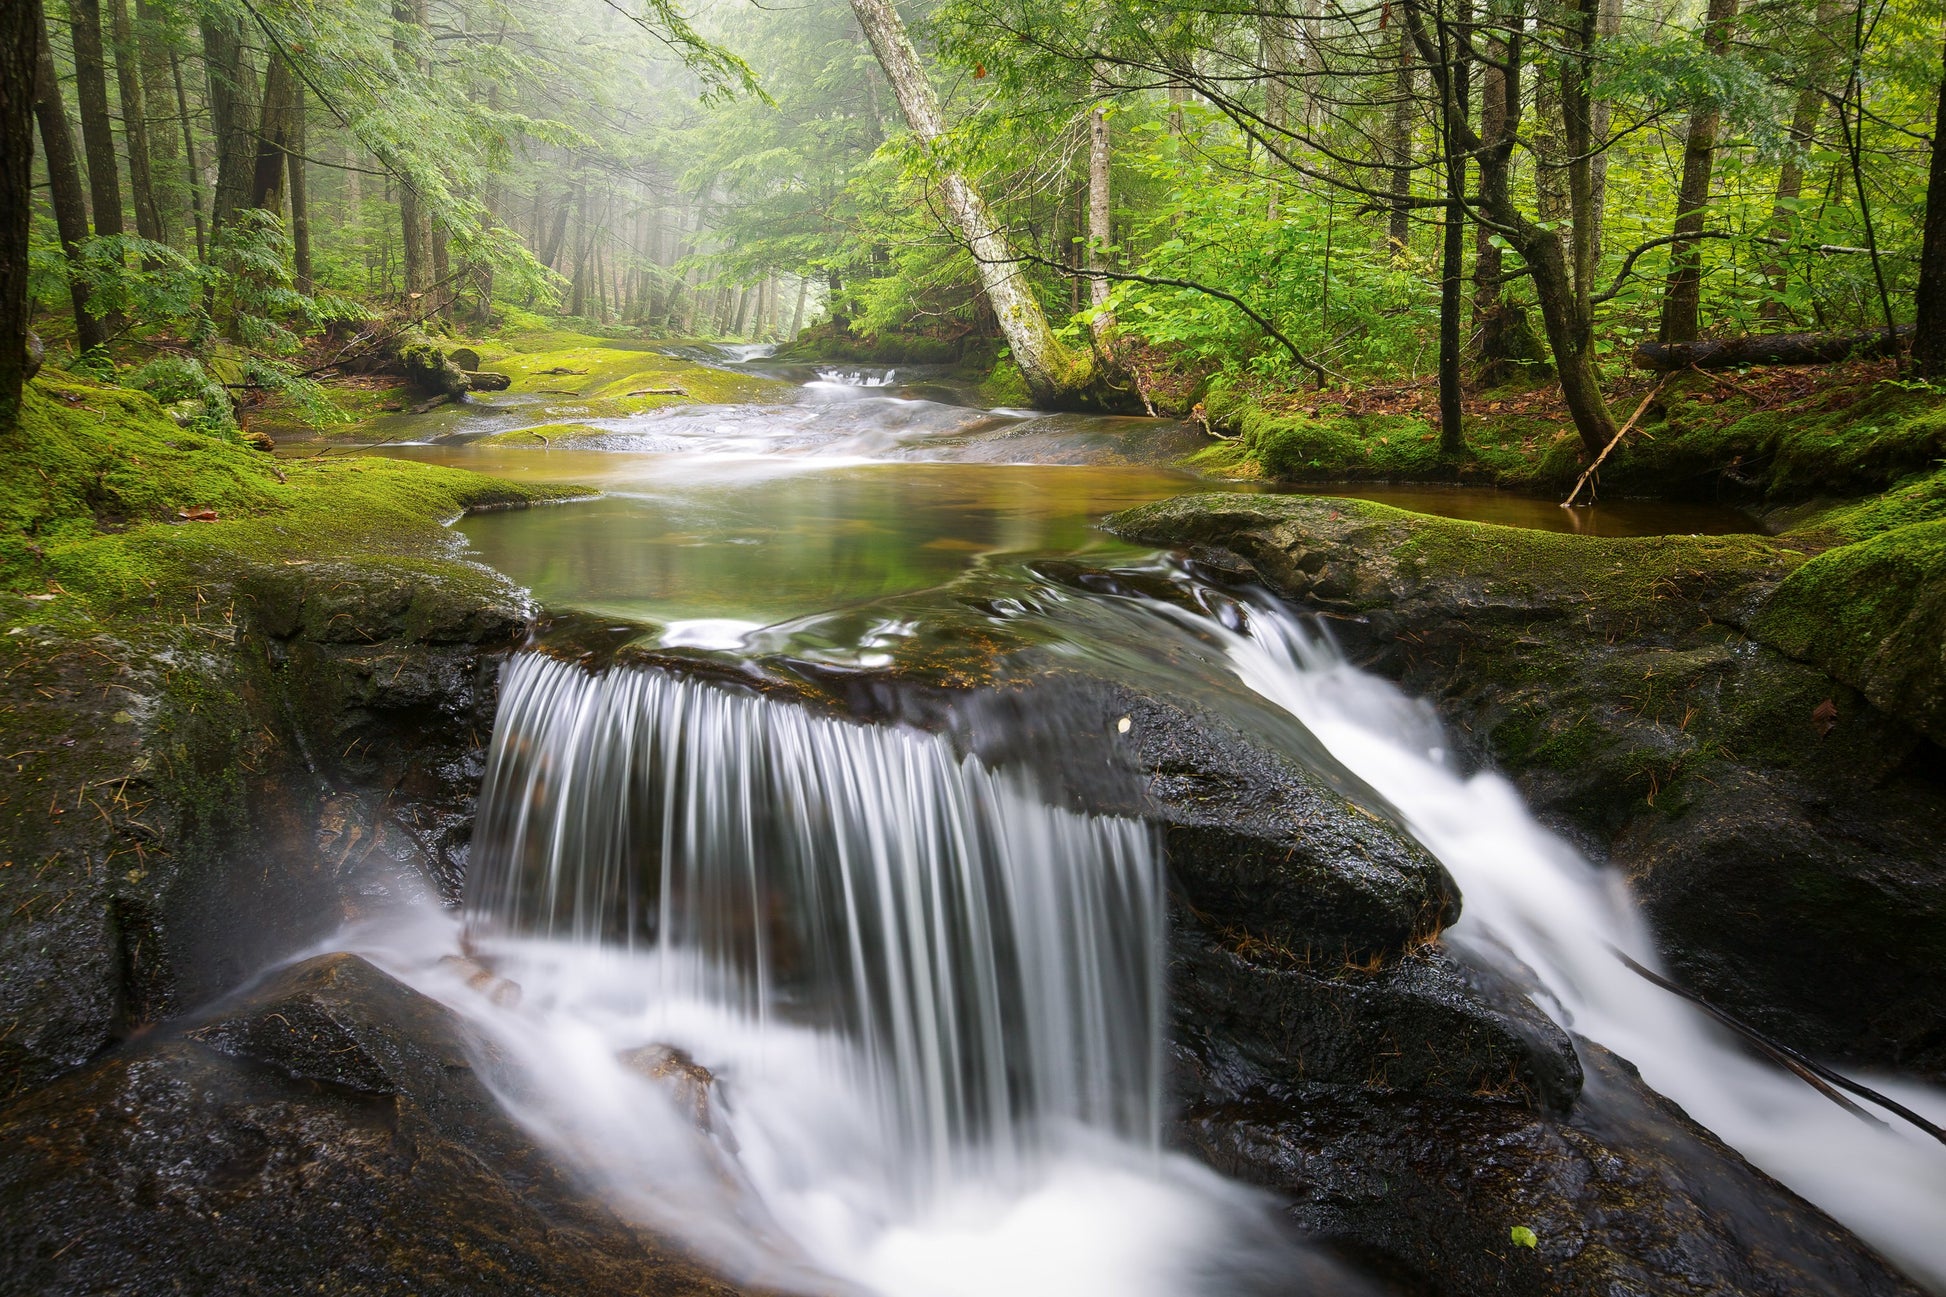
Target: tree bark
20,41
64,177
193,167
300,194
1101,232
415,222
91,95
158,125
1601,117
233,114
1682,295
1929,325
1454,112
1055,375
273,138
1398,231
135,124
797,313
1766,349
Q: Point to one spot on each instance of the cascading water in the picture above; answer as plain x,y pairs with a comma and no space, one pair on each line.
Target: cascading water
1537,910
829,1000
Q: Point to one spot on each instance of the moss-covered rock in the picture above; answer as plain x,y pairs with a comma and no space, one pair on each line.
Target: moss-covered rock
1781,831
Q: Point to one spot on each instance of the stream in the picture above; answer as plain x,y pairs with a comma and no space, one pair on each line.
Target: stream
851,1007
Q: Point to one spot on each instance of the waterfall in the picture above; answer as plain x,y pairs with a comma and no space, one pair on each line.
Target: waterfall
993,962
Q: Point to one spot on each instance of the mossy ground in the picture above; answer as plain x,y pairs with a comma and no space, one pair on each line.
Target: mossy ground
96,480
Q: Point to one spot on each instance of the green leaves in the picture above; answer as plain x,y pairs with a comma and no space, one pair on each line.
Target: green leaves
1523,1237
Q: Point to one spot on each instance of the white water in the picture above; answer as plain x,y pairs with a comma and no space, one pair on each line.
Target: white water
1537,909
930,1003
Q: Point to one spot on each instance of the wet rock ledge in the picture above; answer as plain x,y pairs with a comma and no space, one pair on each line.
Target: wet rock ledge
1779,828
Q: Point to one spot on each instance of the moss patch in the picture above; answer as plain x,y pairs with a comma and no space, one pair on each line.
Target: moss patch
95,477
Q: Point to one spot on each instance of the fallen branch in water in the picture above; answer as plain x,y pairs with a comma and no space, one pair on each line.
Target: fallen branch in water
660,391
1816,1075
1569,502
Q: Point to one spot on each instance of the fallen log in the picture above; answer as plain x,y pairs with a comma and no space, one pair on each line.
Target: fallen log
487,381
1767,349
659,391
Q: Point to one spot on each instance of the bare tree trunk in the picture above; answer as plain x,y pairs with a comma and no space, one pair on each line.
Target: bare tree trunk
135,124
1929,325
232,114
273,138
153,61
1601,117
1101,234
415,222
20,42
797,312
1790,177
1682,295
1055,375
64,178
1399,146
91,95
1454,111
300,194
193,168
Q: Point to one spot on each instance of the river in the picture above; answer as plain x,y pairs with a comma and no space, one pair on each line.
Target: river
852,1008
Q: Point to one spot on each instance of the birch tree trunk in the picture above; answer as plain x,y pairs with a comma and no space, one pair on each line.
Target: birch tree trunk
1101,232
1055,375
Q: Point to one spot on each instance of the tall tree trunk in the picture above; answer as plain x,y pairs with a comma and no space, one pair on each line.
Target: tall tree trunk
1929,325
1601,118
415,222
300,193
1101,234
1790,177
152,61
1277,48
1055,375
233,114
1487,268
1398,232
64,180
135,124
273,137
1454,111
20,56
1682,295
91,94
192,166
797,312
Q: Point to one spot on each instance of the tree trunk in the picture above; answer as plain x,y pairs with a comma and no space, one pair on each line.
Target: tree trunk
135,124
232,114
91,95
193,167
300,194
1454,109
1790,177
1055,375
273,138
1277,46
20,42
153,62
64,180
1682,295
1601,117
1929,326
415,222
797,313
1398,231
1101,234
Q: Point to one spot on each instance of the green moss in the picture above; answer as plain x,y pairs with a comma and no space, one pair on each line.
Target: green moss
1918,498
1873,614
94,477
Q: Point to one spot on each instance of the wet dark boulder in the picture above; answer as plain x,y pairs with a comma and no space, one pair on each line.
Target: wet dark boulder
1779,830
1626,1196
328,1131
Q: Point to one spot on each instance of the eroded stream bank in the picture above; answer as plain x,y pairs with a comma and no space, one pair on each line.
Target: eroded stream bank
1409,1106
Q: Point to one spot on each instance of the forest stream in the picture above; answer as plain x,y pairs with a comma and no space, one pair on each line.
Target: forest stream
759,935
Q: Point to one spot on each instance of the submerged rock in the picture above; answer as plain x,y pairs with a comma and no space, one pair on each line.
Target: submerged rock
1780,831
